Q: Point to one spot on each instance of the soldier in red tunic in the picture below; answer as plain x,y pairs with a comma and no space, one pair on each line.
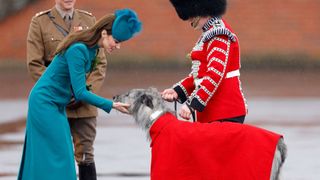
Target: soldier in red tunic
213,88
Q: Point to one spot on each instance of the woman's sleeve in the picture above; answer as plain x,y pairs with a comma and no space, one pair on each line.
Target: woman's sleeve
77,57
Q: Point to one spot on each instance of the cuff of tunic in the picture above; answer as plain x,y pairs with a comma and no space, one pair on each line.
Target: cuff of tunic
181,95
195,104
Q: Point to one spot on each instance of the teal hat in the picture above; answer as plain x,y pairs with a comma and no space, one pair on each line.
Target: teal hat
125,25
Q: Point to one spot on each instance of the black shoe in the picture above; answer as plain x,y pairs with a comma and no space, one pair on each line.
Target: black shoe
87,172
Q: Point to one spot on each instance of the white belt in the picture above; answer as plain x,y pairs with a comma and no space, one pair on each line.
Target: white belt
230,74
233,73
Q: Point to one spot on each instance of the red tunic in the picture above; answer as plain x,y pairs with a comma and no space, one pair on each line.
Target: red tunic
210,151
213,88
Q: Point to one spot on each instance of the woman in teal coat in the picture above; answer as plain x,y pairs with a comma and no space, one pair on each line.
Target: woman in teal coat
48,152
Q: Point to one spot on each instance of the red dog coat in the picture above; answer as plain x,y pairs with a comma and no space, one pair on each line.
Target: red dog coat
210,151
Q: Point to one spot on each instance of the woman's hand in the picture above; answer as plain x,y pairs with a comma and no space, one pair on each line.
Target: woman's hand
122,107
169,95
185,112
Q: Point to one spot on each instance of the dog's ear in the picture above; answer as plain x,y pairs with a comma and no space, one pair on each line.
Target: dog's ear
147,100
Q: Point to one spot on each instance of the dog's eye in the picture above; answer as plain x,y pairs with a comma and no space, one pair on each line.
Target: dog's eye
127,94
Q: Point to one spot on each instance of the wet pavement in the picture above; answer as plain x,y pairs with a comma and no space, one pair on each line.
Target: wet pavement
122,150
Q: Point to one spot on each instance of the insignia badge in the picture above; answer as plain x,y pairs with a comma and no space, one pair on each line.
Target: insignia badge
77,28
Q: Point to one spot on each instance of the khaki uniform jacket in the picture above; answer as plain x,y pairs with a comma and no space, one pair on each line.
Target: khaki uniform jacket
42,41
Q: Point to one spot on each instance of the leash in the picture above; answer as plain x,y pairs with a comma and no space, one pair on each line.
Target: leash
193,113
175,108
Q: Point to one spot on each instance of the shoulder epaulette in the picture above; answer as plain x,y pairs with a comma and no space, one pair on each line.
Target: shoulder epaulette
42,13
85,12
216,32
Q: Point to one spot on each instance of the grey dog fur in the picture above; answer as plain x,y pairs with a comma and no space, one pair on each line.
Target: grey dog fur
144,102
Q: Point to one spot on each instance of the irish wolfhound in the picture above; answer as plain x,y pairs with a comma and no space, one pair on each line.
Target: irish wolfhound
217,150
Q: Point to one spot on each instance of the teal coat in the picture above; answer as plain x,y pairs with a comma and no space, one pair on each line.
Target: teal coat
48,151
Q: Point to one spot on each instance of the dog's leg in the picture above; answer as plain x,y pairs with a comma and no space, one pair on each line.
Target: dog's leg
278,160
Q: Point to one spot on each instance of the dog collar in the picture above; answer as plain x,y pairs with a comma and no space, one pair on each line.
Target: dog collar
155,115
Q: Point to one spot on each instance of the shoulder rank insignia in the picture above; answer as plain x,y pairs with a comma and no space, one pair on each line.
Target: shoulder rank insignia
42,13
85,12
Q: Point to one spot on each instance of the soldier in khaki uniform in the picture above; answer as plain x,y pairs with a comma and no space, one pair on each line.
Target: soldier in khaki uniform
47,29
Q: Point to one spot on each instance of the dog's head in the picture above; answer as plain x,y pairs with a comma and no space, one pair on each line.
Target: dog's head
143,104
141,99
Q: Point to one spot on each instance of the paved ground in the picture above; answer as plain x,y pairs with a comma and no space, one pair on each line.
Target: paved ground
123,153
287,103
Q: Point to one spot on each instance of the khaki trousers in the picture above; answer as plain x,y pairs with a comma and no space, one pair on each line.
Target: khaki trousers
83,132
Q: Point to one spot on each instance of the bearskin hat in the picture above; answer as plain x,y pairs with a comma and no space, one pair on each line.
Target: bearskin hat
192,8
